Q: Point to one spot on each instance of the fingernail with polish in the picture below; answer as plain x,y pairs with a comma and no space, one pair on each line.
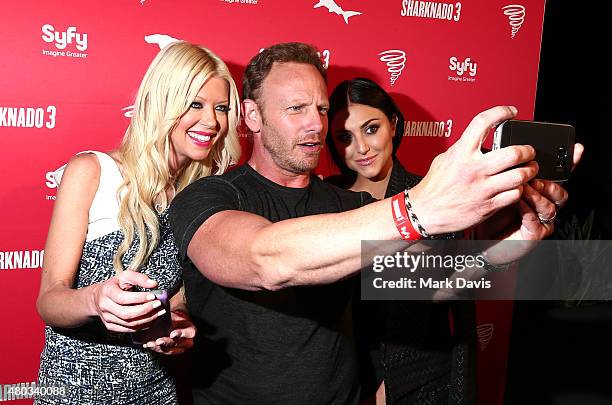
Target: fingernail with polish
156,304
150,297
160,313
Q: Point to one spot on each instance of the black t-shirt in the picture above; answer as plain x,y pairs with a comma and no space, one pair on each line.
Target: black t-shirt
265,347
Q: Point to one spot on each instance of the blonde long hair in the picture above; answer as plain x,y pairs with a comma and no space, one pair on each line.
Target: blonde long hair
170,85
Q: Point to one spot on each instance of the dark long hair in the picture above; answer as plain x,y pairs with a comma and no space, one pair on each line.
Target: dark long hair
366,92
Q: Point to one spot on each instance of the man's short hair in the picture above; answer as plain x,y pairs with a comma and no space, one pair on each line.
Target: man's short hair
261,64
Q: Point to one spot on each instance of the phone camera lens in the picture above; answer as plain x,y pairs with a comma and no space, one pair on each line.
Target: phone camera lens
561,152
561,156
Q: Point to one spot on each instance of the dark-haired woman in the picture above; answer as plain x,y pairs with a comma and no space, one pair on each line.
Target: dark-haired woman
409,353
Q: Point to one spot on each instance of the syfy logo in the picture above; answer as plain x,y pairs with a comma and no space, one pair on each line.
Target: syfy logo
21,259
61,39
51,182
396,62
28,117
516,17
466,66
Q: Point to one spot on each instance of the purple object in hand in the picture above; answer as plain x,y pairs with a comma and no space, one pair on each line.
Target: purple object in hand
160,327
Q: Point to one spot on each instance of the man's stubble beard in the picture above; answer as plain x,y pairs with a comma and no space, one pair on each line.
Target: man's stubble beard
282,152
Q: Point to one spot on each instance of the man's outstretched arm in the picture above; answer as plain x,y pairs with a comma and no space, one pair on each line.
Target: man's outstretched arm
462,188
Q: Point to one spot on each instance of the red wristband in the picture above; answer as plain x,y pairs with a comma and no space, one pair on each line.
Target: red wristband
402,221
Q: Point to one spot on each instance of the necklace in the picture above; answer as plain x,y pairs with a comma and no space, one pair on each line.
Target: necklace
159,207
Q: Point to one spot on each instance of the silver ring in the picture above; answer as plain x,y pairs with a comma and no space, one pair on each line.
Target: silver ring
545,221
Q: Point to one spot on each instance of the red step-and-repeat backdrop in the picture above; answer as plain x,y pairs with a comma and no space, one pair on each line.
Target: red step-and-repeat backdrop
69,71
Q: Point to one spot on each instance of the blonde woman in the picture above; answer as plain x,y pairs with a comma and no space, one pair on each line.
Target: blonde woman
109,242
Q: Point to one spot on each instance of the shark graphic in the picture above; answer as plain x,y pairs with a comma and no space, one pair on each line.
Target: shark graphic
335,8
161,40
128,112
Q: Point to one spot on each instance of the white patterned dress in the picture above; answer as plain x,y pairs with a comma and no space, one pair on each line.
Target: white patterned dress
95,365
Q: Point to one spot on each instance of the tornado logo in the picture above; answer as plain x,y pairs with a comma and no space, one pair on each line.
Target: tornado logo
516,17
396,61
485,334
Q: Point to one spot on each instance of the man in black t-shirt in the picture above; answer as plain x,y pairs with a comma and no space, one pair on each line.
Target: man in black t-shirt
284,346
266,247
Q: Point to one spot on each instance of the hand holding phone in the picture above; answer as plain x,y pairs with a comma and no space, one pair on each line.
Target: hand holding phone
553,143
119,307
159,327
180,339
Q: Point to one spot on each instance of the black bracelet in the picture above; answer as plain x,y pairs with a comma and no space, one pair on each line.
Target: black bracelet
413,218
494,267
